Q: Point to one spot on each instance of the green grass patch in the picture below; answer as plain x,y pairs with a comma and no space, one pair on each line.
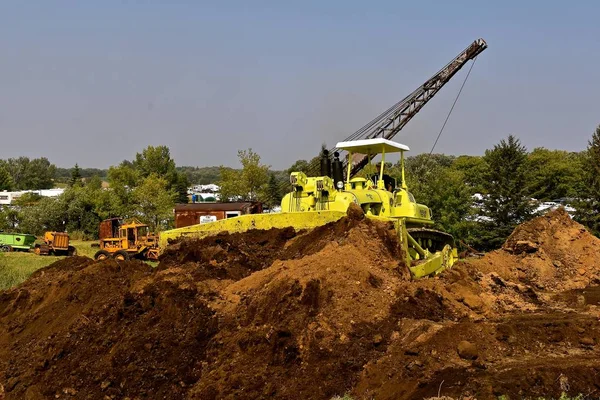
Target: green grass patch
84,247
17,266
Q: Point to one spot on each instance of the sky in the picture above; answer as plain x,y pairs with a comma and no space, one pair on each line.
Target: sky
95,82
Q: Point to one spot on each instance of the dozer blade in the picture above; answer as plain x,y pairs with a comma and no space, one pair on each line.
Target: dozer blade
435,263
243,223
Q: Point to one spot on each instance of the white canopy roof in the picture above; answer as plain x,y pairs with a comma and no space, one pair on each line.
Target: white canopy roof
372,146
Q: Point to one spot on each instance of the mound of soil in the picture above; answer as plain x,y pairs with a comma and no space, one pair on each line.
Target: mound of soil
287,315
549,252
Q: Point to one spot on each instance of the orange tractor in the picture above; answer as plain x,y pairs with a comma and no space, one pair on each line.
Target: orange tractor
123,240
55,243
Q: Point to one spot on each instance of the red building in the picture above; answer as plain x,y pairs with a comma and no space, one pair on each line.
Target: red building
198,213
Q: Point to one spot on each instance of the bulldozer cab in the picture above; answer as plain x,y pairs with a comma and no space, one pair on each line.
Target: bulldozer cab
371,148
133,234
130,234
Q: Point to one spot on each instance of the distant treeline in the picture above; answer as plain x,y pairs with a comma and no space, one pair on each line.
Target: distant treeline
206,175
33,174
64,174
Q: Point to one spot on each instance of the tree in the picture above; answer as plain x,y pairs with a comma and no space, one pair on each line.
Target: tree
588,206
48,214
31,174
255,175
506,203
81,214
122,180
420,171
154,201
230,184
473,169
9,218
156,160
553,174
181,188
299,166
272,196
247,184
75,176
6,182
123,175
27,199
94,183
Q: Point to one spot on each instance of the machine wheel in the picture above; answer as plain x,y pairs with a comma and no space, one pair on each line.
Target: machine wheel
101,255
5,248
72,251
121,255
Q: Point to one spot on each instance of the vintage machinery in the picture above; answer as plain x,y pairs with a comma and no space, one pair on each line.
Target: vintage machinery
55,243
315,201
325,196
123,240
16,241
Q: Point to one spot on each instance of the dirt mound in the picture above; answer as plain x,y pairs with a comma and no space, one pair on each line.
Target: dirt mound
227,256
285,314
304,328
549,252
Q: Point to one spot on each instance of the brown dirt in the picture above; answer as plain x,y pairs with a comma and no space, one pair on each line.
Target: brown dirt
288,315
550,252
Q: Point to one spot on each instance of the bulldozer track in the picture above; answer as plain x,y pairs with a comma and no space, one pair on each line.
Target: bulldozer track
438,238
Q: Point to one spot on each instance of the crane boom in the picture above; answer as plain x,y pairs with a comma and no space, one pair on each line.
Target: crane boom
391,121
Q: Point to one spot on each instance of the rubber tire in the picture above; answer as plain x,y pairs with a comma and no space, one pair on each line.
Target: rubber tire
121,255
6,249
101,255
72,251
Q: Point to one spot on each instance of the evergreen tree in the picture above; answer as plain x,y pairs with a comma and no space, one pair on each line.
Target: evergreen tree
181,187
505,204
588,206
272,196
75,176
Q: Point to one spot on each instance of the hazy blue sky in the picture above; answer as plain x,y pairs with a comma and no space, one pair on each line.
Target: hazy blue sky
94,82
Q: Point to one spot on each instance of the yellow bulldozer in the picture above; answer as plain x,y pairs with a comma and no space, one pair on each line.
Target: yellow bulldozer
315,201
123,240
55,243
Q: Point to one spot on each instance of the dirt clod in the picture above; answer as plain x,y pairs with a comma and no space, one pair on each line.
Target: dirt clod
467,350
355,212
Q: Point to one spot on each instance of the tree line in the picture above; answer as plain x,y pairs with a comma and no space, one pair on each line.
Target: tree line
24,173
146,187
478,199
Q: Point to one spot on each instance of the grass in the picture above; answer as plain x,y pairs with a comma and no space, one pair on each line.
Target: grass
16,267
